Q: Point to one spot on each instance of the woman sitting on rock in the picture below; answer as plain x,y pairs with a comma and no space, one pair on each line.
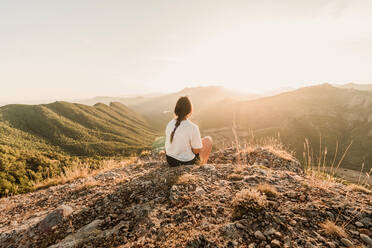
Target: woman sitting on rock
183,144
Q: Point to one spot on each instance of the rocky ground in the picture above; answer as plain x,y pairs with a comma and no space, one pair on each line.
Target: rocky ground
148,204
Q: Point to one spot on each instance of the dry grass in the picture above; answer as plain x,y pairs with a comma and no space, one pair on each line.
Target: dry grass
239,168
88,185
359,188
5,205
77,171
332,229
318,183
145,153
235,177
187,178
247,200
268,190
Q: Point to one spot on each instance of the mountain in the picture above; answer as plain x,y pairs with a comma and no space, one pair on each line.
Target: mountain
365,87
158,109
266,202
319,112
278,91
75,128
38,142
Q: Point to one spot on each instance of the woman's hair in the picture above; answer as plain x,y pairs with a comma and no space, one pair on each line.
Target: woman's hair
182,109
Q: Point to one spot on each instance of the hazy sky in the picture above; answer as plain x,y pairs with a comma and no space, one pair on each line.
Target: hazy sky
82,48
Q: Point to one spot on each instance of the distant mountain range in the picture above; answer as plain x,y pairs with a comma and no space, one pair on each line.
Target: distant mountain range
335,114
364,87
158,109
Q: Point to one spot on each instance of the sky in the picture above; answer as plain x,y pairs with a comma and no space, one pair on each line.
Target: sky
75,49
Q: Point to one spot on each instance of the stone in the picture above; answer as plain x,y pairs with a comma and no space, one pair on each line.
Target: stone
259,235
366,221
75,239
229,231
107,175
331,244
359,224
199,191
54,218
208,167
346,242
275,243
293,222
239,225
330,215
366,239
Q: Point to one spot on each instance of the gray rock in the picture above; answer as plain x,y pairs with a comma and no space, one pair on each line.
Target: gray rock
366,221
346,242
330,215
208,167
359,224
83,234
107,175
54,218
259,235
366,239
229,231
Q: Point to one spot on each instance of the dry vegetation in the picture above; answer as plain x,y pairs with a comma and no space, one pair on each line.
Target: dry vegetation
235,177
187,178
359,188
332,229
247,200
82,171
268,190
88,185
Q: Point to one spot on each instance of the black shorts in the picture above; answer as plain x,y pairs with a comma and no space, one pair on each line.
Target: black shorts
175,162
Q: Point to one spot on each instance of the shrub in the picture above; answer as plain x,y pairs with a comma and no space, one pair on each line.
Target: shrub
248,200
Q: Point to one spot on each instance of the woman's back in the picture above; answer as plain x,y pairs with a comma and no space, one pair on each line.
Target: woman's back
185,138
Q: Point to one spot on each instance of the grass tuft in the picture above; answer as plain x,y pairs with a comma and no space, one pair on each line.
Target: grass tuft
186,179
247,200
268,190
88,185
332,229
235,177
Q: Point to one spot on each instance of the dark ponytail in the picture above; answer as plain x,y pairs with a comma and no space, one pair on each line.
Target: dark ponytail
182,109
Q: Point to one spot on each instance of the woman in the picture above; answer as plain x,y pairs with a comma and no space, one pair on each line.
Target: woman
183,144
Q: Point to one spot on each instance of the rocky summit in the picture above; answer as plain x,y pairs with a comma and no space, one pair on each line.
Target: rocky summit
259,198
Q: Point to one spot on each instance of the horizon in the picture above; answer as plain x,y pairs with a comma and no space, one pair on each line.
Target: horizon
271,92
85,49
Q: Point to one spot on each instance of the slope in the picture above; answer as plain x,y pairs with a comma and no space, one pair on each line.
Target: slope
268,202
75,128
326,112
39,142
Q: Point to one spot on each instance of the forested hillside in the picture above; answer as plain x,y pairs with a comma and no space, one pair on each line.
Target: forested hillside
39,141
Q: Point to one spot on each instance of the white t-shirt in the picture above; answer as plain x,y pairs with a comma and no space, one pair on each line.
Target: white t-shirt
187,136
